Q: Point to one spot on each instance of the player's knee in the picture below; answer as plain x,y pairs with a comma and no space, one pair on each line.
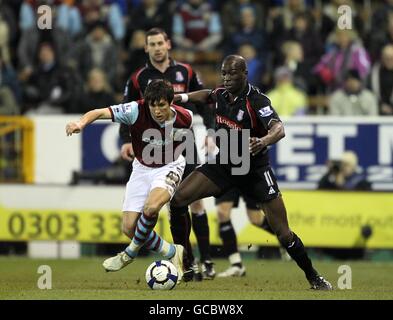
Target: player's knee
255,220
223,215
284,237
178,200
151,210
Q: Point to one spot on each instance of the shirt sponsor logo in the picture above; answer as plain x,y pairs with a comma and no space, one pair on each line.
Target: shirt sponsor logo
179,88
229,123
266,111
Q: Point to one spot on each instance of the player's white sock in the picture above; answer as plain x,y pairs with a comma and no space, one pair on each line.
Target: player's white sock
235,258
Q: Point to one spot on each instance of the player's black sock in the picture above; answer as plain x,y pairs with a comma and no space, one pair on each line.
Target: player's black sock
266,226
200,226
228,237
296,250
180,222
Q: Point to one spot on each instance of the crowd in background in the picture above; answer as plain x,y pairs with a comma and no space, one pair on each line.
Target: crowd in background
295,51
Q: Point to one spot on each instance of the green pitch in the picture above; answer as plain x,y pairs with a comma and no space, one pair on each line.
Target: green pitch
85,279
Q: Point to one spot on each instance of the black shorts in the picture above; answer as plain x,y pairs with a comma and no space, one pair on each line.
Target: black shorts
233,195
260,184
191,165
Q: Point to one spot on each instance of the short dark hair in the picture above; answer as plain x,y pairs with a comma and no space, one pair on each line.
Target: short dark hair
157,90
156,31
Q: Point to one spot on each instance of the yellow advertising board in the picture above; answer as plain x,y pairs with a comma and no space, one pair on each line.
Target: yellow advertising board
321,219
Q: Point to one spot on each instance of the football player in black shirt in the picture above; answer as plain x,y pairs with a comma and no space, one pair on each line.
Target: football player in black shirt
242,108
183,79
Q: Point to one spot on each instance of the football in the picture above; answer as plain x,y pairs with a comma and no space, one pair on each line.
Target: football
161,275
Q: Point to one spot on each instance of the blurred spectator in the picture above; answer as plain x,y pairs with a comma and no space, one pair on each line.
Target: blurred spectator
381,81
280,19
230,15
285,97
8,31
150,14
30,42
377,39
293,59
353,99
96,11
344,175
380,18
196,27
97,50
348,53
98,93
330,10
248,32
69,18
8,83
136,55
50,88
304,33
254,64
9,79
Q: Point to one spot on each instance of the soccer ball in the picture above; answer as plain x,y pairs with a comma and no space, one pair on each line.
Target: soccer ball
161,275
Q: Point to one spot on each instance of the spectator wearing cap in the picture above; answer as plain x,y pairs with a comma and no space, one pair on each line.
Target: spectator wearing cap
353,99
381,81
286,98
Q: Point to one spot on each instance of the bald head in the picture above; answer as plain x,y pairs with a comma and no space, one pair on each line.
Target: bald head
237,61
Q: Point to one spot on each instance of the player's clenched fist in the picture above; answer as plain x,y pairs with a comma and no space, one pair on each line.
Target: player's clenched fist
73,127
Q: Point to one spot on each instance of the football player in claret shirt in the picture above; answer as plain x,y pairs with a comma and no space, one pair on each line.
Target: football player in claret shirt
183,79
152,183
242,108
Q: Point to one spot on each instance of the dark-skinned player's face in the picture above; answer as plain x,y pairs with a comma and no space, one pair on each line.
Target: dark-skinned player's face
234,77
160,111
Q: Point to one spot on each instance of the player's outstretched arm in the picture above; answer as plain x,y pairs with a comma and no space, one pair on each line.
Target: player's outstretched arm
201,96
275,134
87,118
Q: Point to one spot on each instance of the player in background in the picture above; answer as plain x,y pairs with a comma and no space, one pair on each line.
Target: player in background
225,204
243,109
183,79
152,182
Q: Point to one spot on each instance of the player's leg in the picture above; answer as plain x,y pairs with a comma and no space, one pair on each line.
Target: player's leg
130,219
225,204
200,225
137,189
196,186
277,216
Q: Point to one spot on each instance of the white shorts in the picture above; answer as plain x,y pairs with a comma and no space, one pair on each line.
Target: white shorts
143,179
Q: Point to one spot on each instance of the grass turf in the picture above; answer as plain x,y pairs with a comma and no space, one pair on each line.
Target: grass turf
85,279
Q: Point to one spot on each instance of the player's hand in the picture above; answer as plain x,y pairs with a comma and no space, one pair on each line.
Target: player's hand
73,127
177,98
256,145
210,145
127,152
